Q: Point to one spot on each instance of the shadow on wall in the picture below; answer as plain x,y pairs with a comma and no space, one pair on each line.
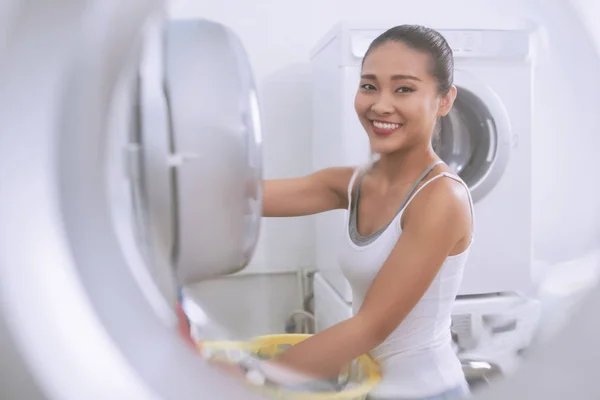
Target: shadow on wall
285,99
246,306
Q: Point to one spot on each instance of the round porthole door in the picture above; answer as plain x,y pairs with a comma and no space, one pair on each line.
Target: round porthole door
474,138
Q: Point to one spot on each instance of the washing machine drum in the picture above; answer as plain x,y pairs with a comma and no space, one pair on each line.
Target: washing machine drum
467,140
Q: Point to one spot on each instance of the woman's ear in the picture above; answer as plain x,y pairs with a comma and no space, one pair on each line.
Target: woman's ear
447,101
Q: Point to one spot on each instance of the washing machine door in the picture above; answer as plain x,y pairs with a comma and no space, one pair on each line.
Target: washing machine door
199,150
474,138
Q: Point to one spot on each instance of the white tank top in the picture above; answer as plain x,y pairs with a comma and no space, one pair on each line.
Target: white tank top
417,359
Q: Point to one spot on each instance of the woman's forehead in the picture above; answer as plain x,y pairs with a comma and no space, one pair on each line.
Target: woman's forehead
396,58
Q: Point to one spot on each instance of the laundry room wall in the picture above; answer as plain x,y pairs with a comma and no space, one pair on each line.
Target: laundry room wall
278,36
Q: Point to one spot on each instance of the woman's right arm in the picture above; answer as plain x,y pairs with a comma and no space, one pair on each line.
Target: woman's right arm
321,191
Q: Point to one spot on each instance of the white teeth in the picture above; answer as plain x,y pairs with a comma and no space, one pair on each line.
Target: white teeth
384,125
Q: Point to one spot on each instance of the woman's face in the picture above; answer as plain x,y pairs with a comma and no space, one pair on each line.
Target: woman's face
398,101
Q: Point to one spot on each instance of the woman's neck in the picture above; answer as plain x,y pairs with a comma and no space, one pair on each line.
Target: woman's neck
404,167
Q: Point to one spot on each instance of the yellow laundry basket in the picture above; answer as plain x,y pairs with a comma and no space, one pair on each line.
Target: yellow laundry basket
362,377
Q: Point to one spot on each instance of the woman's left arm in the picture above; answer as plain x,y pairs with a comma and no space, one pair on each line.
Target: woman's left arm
438,219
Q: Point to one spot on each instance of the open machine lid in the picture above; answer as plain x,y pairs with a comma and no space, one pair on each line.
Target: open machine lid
199,148
216,149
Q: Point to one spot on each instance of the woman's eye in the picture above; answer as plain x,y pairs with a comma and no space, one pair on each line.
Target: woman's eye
404,90
367,86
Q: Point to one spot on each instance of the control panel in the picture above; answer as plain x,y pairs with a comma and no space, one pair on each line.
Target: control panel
465,43
488,43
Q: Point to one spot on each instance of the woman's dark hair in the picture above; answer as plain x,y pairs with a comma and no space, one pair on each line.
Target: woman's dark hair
426,40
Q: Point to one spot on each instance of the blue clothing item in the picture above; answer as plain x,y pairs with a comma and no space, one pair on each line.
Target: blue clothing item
180,301
457,393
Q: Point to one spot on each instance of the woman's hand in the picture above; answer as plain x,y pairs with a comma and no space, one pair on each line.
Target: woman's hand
183,328
230,369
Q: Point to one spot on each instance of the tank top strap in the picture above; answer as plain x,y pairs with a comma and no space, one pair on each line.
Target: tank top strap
471,205
358,171
454,177
411,191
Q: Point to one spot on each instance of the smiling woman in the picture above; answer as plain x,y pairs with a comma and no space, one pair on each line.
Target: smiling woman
408,226
395,91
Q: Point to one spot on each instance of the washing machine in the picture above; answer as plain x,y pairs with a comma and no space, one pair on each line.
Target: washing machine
486,139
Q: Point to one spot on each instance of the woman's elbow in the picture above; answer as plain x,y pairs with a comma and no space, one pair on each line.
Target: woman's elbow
373,330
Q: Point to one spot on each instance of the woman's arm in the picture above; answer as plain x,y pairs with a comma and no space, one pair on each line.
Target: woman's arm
321,191
438,219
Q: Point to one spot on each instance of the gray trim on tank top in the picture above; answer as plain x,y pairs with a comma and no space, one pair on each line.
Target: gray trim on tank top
361,240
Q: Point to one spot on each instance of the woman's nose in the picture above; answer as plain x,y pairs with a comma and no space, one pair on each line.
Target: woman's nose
383,105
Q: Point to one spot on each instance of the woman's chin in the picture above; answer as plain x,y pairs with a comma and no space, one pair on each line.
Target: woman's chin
381,149
387,146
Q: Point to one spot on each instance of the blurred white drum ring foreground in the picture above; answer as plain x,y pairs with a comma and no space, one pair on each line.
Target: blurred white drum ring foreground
75,322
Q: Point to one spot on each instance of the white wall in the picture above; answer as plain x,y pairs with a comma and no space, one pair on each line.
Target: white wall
249,305
278,35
